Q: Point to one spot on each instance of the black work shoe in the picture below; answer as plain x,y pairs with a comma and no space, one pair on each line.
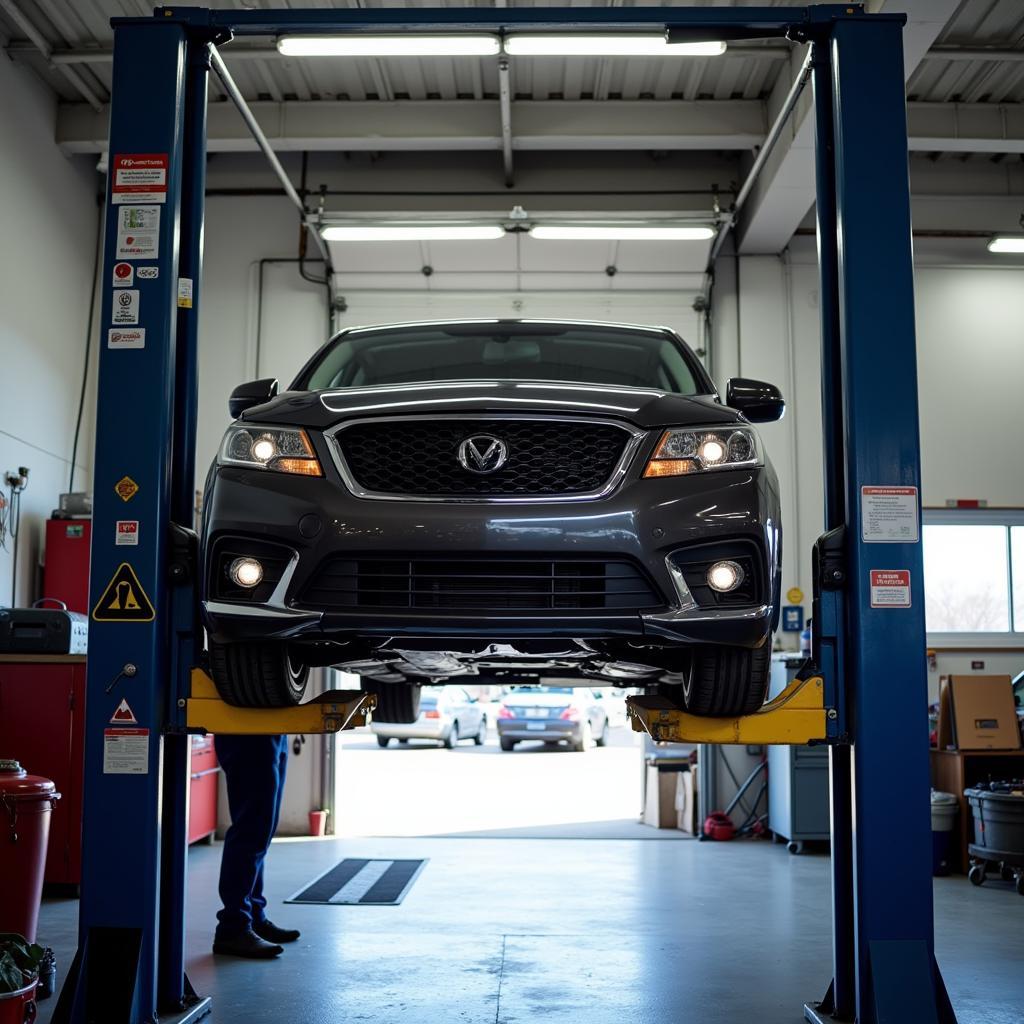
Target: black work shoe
269,931
246,944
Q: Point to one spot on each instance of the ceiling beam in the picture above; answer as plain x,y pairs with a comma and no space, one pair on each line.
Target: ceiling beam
378,126
784,192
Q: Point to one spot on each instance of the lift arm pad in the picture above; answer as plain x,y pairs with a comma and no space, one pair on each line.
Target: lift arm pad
796,716
332,711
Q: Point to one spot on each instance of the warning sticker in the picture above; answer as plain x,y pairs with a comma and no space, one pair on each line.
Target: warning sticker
125,751
124,275
138,232
139,178
127,533
126,488
890,588
184,293
149,273
795,595
124,600
123,715
889,515
125,307
126,337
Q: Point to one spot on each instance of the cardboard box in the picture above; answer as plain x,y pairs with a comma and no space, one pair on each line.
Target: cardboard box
660,804
978,713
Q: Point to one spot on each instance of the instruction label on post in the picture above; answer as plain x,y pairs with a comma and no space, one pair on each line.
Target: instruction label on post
138,232
125,751
124,275
125,306
889,515
139,178
184,293
890,588
133,337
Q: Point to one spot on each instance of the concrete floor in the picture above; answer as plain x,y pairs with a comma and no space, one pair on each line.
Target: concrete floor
499,932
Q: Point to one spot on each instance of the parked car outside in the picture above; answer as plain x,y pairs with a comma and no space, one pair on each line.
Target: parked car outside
613,700
447,715
434,502
552,714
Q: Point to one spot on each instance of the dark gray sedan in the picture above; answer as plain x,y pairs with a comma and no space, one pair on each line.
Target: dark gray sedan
552,714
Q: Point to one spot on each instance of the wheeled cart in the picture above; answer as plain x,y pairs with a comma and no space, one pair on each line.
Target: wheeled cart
1010,865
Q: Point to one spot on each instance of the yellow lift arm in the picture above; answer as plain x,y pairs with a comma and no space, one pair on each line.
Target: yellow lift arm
332,711
797,715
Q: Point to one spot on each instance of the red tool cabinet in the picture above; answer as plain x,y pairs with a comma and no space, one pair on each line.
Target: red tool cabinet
42,721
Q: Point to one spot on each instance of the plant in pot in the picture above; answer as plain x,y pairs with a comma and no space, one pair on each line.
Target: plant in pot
19,972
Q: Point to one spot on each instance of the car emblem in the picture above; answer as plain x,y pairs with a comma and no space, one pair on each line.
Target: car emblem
483,453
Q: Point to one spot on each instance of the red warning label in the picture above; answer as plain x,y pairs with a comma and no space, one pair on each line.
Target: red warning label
890,588
123,715
139,178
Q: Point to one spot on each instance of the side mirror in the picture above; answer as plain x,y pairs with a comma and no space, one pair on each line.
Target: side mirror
256,392
758,401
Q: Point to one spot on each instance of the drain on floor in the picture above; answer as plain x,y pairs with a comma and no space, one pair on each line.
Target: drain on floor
365,882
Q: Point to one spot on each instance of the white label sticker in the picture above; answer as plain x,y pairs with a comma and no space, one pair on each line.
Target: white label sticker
138,232
890,588
124,275
889,515
127,533
149,273
125,306
184,292
120,337
125,751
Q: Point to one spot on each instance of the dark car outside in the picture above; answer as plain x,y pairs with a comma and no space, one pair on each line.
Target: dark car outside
552,715
460,501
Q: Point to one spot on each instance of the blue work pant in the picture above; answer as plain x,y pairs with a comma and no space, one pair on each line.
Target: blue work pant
254,769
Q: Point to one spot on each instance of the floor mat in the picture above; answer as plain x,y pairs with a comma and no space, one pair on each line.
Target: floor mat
356,880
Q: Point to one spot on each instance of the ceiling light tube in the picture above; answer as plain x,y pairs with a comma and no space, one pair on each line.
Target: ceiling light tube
412,232
582,44
1007,243
623,232
410,44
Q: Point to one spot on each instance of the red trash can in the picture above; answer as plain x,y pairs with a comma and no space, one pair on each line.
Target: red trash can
25,805
19,1007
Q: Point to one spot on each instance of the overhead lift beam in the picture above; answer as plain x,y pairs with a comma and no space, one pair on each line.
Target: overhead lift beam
130,963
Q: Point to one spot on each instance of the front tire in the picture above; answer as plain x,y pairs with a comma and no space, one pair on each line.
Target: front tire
383,741
726,682
481,736
257,675
452,739
602,739
582,745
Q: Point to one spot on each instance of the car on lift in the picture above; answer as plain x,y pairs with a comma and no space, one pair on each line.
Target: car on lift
553,715
443,501
447,715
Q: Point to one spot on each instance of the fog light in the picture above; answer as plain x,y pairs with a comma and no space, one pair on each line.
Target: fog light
724,576
245,572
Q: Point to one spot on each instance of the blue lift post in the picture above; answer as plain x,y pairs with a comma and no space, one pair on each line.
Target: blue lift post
130,963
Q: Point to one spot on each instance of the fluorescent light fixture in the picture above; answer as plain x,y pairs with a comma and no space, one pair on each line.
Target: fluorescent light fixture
412,232
409,44
581,44
623,232
1007,244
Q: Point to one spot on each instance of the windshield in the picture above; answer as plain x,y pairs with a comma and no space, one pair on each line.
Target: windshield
580,354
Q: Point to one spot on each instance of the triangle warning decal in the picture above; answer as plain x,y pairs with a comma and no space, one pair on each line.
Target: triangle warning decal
124,600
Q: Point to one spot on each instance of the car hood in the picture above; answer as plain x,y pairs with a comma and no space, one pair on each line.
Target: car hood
644,407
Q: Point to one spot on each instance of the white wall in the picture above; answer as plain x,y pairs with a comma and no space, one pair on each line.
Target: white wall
50,216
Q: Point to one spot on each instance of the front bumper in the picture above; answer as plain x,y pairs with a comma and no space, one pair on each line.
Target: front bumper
432,730
643,521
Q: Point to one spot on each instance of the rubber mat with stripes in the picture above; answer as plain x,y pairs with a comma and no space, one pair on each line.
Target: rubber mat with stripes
356,880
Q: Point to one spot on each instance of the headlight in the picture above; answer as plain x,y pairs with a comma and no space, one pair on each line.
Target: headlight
694,450
281,449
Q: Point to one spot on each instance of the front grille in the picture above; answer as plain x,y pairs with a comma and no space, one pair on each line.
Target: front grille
477,586
419,458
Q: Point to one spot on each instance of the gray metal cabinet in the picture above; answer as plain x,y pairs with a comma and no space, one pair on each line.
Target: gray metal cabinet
797,777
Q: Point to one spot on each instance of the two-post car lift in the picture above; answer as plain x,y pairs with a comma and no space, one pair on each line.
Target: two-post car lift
868,696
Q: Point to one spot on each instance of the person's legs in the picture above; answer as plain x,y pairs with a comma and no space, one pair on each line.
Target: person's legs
257,901
252,771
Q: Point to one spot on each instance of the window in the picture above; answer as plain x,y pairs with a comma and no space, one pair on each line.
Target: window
974,572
